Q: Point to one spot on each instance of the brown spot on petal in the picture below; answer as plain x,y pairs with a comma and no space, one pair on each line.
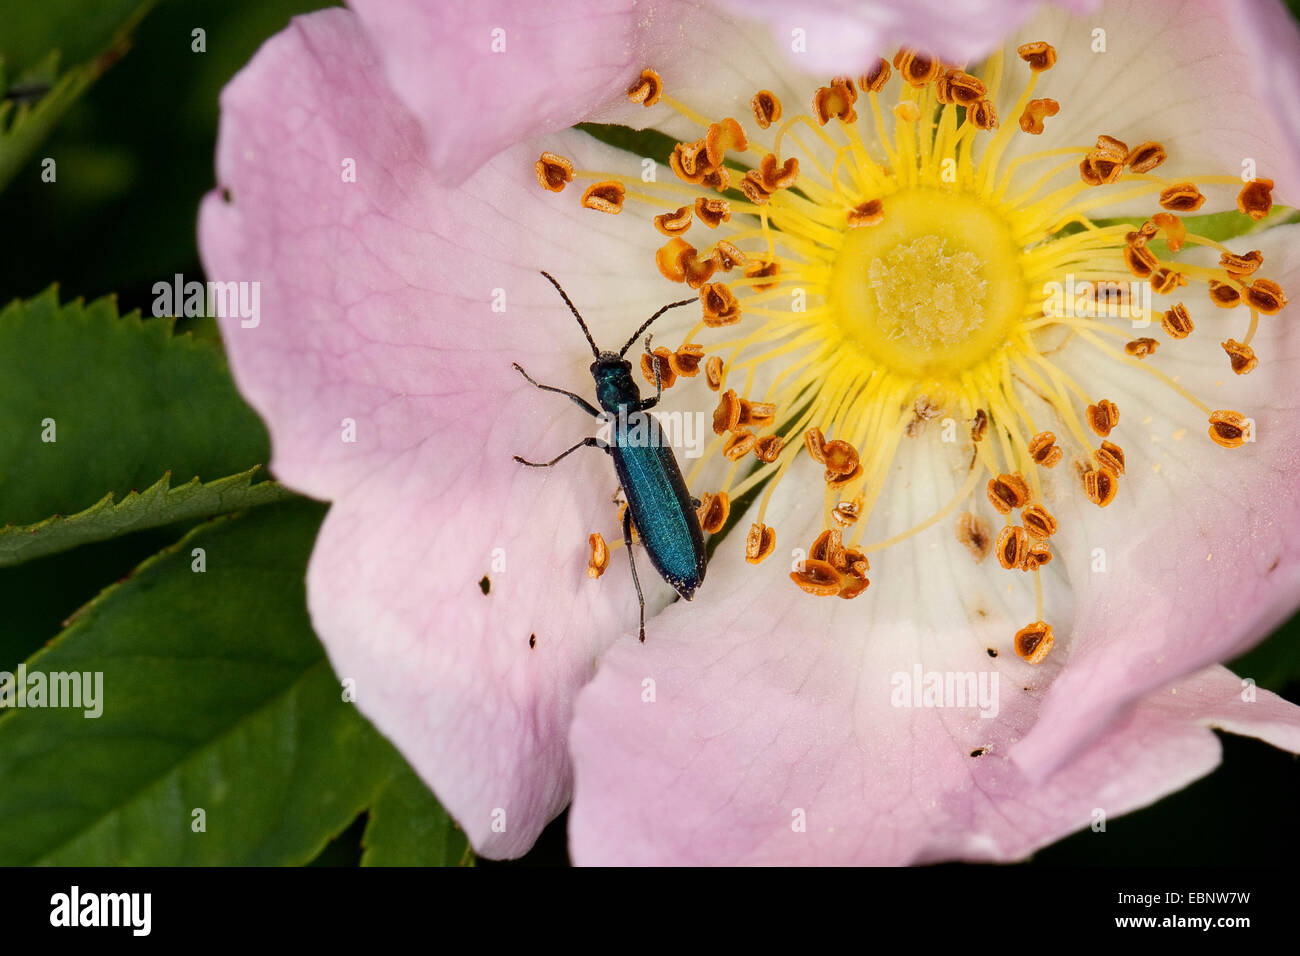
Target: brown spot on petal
979,426
974,532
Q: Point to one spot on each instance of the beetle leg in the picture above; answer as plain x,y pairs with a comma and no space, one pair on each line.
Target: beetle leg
646,404
627,540
585,443
578,400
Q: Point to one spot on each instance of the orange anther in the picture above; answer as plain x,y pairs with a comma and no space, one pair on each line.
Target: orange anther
674,223
599,559
1031,120
605,197
646,89
766,107
721,137
1034,642
712,212
1145,157
1040,56
1229,429
1256,198
759,543
1102,417
554,172
726,417
720,305
1182,197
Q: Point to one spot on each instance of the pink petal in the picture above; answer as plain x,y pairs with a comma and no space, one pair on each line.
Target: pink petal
1203,557
765,714
1213,84
559,64
842,36
376,302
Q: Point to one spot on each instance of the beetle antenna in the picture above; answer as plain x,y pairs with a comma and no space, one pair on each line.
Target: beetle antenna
572,308
650,321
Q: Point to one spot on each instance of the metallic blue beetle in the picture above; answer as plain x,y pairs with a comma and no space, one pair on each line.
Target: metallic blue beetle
658,503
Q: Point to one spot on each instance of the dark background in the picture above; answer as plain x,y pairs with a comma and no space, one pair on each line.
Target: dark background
135,155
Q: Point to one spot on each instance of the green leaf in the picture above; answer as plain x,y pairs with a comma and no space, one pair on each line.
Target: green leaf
25,124
77,30
408,827
216,696
90,37
125,401
157,505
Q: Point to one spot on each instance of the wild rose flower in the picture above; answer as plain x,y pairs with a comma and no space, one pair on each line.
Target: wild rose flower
904,320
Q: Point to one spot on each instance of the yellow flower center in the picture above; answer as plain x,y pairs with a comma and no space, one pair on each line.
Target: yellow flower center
932,289
891,279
